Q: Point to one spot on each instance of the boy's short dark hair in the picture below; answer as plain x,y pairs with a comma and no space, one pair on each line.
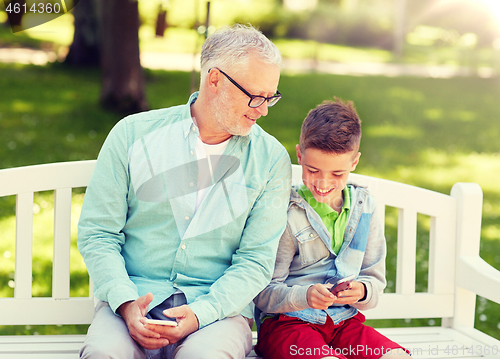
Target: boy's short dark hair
333,126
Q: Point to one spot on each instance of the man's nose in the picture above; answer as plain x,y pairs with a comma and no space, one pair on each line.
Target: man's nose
263,109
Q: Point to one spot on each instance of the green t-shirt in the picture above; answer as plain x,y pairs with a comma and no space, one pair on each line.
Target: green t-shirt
333,221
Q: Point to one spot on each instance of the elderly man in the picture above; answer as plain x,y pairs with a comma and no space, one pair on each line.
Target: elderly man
183,214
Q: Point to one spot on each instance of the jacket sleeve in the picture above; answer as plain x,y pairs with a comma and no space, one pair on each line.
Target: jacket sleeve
278,297
372,272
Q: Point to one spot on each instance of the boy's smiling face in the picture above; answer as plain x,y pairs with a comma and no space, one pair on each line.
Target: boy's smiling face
325,174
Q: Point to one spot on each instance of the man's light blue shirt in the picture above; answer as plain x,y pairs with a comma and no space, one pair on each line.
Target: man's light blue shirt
139,231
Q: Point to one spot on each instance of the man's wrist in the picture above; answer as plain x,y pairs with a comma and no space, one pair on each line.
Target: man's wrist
122,308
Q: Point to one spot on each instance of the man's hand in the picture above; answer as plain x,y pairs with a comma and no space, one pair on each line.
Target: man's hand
134,314
352,295
319,296
187,323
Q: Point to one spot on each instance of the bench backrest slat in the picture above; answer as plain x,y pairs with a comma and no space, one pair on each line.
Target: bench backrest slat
46,311
62,231
46,177
442,250
24,245
407,249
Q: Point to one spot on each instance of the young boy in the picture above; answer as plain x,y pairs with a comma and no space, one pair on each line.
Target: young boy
333,231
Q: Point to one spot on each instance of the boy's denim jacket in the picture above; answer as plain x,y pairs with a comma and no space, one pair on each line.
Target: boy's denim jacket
305,257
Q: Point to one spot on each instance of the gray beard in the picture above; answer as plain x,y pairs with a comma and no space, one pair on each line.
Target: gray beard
224,119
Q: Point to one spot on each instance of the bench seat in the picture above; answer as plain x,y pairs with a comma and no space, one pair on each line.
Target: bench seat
423,342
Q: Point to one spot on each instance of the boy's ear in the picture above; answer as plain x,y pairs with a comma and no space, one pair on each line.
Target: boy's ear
356,161
299,155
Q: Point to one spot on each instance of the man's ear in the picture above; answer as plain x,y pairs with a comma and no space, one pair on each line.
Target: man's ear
299,154
213,80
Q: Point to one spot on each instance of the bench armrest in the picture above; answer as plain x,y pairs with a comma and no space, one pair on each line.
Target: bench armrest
474,274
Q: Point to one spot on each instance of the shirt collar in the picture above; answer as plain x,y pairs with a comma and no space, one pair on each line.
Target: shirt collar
237,143
324,209
188,123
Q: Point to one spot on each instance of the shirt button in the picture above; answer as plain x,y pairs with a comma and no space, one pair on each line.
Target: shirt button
191,184
192,153
311,235
183,246
186,218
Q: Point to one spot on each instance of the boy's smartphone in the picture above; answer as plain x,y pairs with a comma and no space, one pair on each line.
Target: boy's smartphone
169,323
342,284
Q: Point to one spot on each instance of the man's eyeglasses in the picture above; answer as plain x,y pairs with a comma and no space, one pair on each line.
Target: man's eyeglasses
255,100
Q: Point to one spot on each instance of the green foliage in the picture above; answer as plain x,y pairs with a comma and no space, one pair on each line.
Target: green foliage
369,25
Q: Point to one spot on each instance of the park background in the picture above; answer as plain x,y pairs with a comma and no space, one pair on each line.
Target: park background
423,74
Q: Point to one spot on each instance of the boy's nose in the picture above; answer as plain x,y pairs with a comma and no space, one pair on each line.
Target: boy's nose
322,183
327,183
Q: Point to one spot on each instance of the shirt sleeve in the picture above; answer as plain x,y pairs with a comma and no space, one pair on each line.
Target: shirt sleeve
253,262
102,219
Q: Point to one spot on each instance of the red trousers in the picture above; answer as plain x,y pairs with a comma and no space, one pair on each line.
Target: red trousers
286,337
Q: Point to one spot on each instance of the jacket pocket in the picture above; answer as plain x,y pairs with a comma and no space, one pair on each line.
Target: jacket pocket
311,247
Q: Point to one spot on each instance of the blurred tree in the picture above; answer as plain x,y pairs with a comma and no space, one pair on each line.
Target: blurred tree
161,21
15,18
86,46
122,76
399,29
106,35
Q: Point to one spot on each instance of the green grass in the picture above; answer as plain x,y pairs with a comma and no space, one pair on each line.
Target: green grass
425,132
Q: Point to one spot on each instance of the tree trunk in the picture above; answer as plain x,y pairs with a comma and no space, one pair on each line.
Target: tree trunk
161,22
399,29
15,19
86,47
122,76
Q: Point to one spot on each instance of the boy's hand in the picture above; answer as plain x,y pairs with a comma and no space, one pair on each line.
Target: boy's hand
355,292
319,296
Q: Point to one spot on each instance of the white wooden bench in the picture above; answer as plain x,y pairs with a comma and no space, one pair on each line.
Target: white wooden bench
456,272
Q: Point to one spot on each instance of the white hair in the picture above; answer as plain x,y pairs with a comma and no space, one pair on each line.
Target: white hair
232,46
